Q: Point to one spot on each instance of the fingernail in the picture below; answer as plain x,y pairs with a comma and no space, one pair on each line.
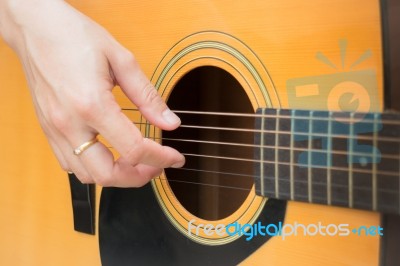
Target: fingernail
170,117
178,164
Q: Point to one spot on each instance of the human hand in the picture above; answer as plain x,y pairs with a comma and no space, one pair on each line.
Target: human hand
72,64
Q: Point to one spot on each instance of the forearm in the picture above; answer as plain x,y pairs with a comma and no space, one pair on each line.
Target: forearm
11,14
18,16
72,65
5,19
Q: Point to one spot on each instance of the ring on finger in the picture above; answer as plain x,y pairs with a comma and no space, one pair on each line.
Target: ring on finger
84,146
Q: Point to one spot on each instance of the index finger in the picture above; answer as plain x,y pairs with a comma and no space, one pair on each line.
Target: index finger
126,138
140,91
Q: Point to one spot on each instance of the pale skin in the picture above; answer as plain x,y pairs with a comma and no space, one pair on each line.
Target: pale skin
71,65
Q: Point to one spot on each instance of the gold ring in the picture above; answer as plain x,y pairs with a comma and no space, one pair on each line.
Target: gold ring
85,146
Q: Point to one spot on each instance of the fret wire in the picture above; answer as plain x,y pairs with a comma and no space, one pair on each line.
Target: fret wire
253,115
350,158
374,167
276,156
292,125
262,154
329,163
310,130
141,121
342,136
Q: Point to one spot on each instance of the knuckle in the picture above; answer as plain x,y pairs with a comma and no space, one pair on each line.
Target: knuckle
59,119
87,108
165,160
133,153
93,104
143,181
104,180
127,58
151,96
64,166
84,179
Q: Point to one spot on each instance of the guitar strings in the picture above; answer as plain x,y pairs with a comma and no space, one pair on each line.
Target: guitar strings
298,149
203,184
332,185
308,118
355,188
287,195
336,168
335,116
297,134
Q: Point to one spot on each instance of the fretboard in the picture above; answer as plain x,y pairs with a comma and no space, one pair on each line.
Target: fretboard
333,158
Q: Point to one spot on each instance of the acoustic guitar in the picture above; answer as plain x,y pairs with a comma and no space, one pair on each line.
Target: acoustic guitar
288,129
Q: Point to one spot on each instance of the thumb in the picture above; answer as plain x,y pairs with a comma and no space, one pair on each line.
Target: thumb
141,92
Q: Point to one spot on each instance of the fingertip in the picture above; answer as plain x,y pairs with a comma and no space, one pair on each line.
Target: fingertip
179,163
171,118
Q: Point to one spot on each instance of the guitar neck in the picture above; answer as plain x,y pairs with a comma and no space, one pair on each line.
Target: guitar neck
334,158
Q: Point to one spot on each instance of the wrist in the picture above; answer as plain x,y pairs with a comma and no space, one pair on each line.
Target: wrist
18,15
9,13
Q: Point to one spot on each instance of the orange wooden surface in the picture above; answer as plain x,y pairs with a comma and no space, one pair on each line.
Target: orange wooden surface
36,214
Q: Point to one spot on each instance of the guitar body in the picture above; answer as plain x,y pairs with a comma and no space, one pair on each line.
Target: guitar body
218,56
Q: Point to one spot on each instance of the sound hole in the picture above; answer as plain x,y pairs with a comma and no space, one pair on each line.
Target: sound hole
211,187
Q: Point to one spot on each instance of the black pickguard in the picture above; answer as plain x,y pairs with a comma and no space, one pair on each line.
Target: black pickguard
134,231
